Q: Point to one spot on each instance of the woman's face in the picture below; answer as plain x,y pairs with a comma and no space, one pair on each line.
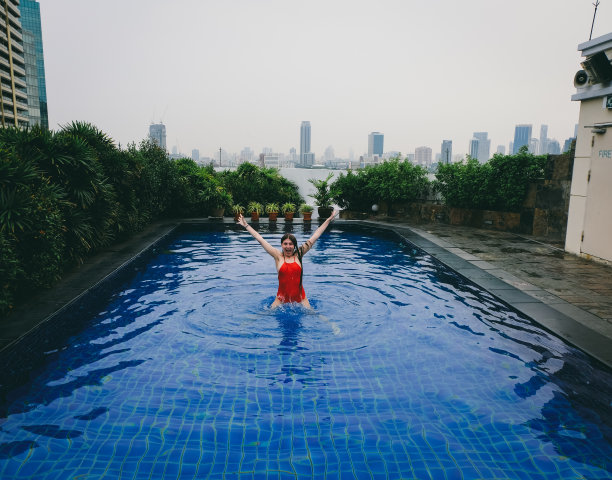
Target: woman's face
287,246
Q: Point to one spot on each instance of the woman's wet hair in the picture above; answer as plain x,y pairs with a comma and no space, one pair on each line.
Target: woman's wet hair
297,250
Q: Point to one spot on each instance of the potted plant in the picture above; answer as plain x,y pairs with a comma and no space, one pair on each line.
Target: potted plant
306,211
288,210
220,199
238,210
256,209
272,211
323,196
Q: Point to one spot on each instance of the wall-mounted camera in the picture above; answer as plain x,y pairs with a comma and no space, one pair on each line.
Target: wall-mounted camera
597,68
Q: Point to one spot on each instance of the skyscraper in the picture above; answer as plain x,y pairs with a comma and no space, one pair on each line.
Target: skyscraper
13,87
543,140
305,144
522,136
483,151
473,150
446,153
376,142
480,146
35,62
157,133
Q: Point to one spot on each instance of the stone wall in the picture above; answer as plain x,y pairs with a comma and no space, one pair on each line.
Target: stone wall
544,212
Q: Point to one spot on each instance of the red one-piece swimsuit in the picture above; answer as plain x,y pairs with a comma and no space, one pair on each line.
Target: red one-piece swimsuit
289,283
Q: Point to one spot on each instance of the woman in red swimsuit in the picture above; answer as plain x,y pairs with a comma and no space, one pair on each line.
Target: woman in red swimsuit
289,262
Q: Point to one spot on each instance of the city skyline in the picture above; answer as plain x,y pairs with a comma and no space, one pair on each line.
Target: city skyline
216,79
479,148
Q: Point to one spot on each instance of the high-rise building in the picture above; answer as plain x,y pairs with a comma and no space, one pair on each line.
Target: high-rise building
157,133
522,136
13,86
195,155
446,153
501,149
422,156
35,62
305,142
543,140
480,146
376,142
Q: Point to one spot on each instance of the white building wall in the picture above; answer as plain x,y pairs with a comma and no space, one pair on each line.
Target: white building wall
589,227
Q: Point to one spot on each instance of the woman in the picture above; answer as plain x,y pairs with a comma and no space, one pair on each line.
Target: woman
289,262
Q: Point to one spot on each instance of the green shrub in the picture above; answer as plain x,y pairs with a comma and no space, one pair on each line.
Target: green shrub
465,185
500,184
263,185
391,181
349,191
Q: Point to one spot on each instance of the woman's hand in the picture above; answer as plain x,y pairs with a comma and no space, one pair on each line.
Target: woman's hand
334,213
242,221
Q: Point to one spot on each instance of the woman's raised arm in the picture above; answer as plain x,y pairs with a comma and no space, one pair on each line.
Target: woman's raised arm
315,236
267,247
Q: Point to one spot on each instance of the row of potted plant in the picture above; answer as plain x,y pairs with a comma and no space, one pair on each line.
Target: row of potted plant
255,209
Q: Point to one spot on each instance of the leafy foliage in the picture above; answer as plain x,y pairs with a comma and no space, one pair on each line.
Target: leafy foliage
323,195
500,184
250,183
391,181
66,194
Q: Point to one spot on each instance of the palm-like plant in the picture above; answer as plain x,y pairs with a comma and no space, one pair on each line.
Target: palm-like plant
255,207
272,208
323,196
288,207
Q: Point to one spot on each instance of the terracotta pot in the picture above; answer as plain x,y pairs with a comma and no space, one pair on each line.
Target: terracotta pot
273,216
289,216
307,216
254,217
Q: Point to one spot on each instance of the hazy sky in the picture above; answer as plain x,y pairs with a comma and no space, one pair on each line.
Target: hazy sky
236,73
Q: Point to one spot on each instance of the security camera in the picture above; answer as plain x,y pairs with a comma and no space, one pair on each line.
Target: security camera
598,68
581,78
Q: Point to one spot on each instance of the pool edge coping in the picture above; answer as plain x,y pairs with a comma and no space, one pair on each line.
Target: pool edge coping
547,315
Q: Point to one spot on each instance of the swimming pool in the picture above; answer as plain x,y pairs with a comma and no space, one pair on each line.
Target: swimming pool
403,370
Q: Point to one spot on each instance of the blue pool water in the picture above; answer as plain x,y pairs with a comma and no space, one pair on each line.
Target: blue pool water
402,370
